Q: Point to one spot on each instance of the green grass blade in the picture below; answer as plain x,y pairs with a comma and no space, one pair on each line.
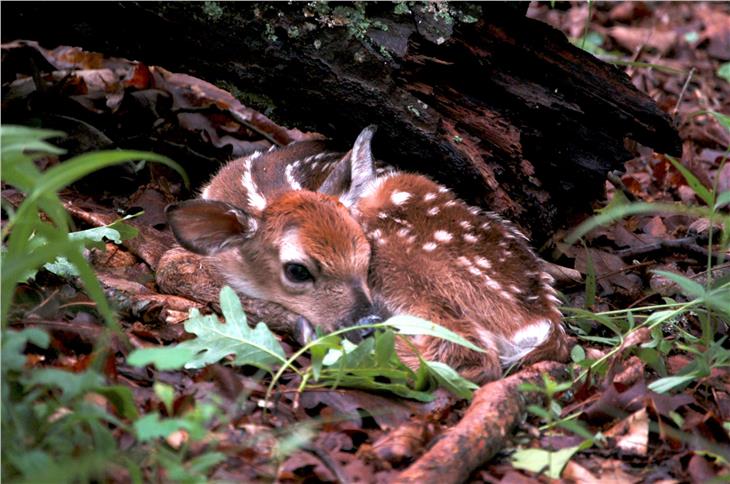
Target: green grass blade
619,212
702,191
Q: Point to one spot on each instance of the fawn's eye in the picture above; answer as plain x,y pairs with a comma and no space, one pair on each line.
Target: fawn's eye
297,272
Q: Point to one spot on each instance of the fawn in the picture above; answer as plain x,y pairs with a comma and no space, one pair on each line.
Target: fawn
333,239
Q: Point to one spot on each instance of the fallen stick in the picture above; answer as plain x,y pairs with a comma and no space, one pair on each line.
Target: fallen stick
485,429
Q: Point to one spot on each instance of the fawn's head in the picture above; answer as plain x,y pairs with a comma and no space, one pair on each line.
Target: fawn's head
301,249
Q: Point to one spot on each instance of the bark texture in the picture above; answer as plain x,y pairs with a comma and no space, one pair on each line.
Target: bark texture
484,430
498,106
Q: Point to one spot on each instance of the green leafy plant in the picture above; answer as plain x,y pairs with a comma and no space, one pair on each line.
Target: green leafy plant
372,364
57,426
708,303
32,241
548,461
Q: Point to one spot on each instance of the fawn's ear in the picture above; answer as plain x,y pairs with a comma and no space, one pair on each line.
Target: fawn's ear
354,172
207,227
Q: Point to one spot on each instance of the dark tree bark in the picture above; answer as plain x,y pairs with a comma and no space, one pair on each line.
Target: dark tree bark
504,109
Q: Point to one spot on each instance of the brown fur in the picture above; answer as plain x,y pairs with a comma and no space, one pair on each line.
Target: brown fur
432,255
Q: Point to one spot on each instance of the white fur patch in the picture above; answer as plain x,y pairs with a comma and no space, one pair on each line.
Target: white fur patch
442,236
433,211
492,284
291,248
429,246
399,198
471,238
474,271
376,234
429,196
206,193
482,262
443,189
523,341
403,232
465,224
255,198
290,178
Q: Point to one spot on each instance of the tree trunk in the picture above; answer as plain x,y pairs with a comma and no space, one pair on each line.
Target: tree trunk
500,107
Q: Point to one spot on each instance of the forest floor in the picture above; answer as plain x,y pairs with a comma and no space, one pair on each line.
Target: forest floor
622,418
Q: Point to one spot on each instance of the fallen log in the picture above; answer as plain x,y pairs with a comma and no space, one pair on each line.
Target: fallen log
500,107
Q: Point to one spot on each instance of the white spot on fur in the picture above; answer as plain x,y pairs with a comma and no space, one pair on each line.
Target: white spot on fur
433,211
485,225
403,232
465,224
506,295
474,210
399,198
443,189
411,239
206,193
429,246
429,196
547,278
255,197
523,341
463,261
450,203
376,234
474,270
296,163
314,165
520,234
471,238
532,298
442,236
290,178
382,215
482,262
515,289
554,299
492,284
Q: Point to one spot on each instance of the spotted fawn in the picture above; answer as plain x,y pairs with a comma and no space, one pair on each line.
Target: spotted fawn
332,238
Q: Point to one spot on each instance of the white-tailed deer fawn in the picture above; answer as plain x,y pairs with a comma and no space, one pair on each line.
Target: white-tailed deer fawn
323,235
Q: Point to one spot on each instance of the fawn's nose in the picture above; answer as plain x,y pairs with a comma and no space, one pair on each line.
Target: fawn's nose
358,335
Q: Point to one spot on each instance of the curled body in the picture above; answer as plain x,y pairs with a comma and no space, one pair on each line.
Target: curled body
333,239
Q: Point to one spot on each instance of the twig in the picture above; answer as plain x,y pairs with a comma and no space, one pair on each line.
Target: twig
618,183
682,92
331,464
687,243
484,430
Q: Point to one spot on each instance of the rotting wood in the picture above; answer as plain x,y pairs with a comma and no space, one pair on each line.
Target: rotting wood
504,110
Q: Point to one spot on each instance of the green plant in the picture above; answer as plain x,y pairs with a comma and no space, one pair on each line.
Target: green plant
57,426
31,240
543,460
371,365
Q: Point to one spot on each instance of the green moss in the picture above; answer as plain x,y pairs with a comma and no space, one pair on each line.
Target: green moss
257,101
213,10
